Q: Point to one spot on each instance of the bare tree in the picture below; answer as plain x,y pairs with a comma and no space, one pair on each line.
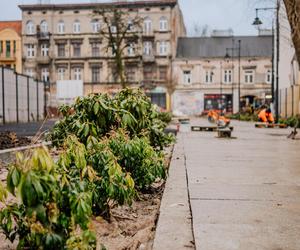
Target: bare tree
200,30
293,13
121,31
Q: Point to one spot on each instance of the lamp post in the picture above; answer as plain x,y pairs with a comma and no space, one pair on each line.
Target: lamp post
227,56
257,22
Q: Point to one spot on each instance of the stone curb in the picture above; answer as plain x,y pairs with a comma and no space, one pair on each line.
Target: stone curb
174,226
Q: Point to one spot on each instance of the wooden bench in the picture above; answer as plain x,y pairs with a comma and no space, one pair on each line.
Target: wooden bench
207,128
264,125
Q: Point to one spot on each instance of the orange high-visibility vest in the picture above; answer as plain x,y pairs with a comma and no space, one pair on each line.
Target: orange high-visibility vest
265,117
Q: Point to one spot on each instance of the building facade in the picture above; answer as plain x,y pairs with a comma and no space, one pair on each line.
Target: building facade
209,74
63,42
10,45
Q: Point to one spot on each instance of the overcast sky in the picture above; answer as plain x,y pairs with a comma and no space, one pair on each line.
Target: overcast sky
217,14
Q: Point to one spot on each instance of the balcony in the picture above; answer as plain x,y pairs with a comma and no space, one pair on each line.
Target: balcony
43,35
43,59
7,57
148,58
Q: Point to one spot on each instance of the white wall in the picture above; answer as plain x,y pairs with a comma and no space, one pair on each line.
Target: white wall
10,95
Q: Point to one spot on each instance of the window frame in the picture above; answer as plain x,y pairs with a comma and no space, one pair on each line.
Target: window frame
44,26
163,48
76,27
77,73
61,47
61,27
30,50
249,74
163,24
187,77
61,73
30,29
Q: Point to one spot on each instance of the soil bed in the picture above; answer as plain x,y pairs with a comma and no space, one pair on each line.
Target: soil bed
11,140
130,228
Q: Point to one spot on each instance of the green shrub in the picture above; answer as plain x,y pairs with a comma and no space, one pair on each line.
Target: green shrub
50,210
107,181
97,115
138,158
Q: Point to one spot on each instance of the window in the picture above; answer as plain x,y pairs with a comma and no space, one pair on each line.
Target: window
130,73
45,49
76,26
61,73
95,49
163,48
130,49
148,73
15,47
76,49
147,48
1,47
187,77
29,72
61,27
209,76
77,73
163,73
130,26
95,74
30,50
45,74
147,25
95,26
30,28
228,76
163,24
8,48
269,76
44,26
113,29
61,50
249,76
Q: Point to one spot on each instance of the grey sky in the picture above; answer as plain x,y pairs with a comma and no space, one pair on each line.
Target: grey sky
217,14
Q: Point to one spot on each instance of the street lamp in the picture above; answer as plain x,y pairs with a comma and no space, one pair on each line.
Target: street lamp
227,56
257,22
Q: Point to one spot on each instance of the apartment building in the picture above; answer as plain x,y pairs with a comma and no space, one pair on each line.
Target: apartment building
10,45
208,73
63,42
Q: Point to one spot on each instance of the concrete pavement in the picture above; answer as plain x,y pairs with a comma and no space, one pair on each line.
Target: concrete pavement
244,192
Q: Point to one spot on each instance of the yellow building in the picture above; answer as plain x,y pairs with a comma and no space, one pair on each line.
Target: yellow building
10,45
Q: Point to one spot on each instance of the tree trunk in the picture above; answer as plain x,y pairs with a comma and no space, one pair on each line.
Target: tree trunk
293,14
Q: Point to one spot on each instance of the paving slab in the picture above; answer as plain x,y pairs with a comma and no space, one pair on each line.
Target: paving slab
244,192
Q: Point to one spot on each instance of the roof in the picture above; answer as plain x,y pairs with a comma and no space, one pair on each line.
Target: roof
119,4
15,25
214,47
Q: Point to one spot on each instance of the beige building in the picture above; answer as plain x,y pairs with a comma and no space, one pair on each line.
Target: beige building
62,42
205,78
10,45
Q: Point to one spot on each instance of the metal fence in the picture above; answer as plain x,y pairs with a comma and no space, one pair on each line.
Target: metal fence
289,100
23,99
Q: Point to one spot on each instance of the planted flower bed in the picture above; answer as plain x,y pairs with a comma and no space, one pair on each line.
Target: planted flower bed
111,155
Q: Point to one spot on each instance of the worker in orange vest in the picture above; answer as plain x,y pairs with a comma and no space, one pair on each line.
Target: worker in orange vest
265,115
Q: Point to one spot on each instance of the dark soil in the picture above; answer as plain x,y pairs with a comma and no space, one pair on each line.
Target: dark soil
11,140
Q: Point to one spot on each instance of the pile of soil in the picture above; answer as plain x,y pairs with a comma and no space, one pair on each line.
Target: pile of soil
11,140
